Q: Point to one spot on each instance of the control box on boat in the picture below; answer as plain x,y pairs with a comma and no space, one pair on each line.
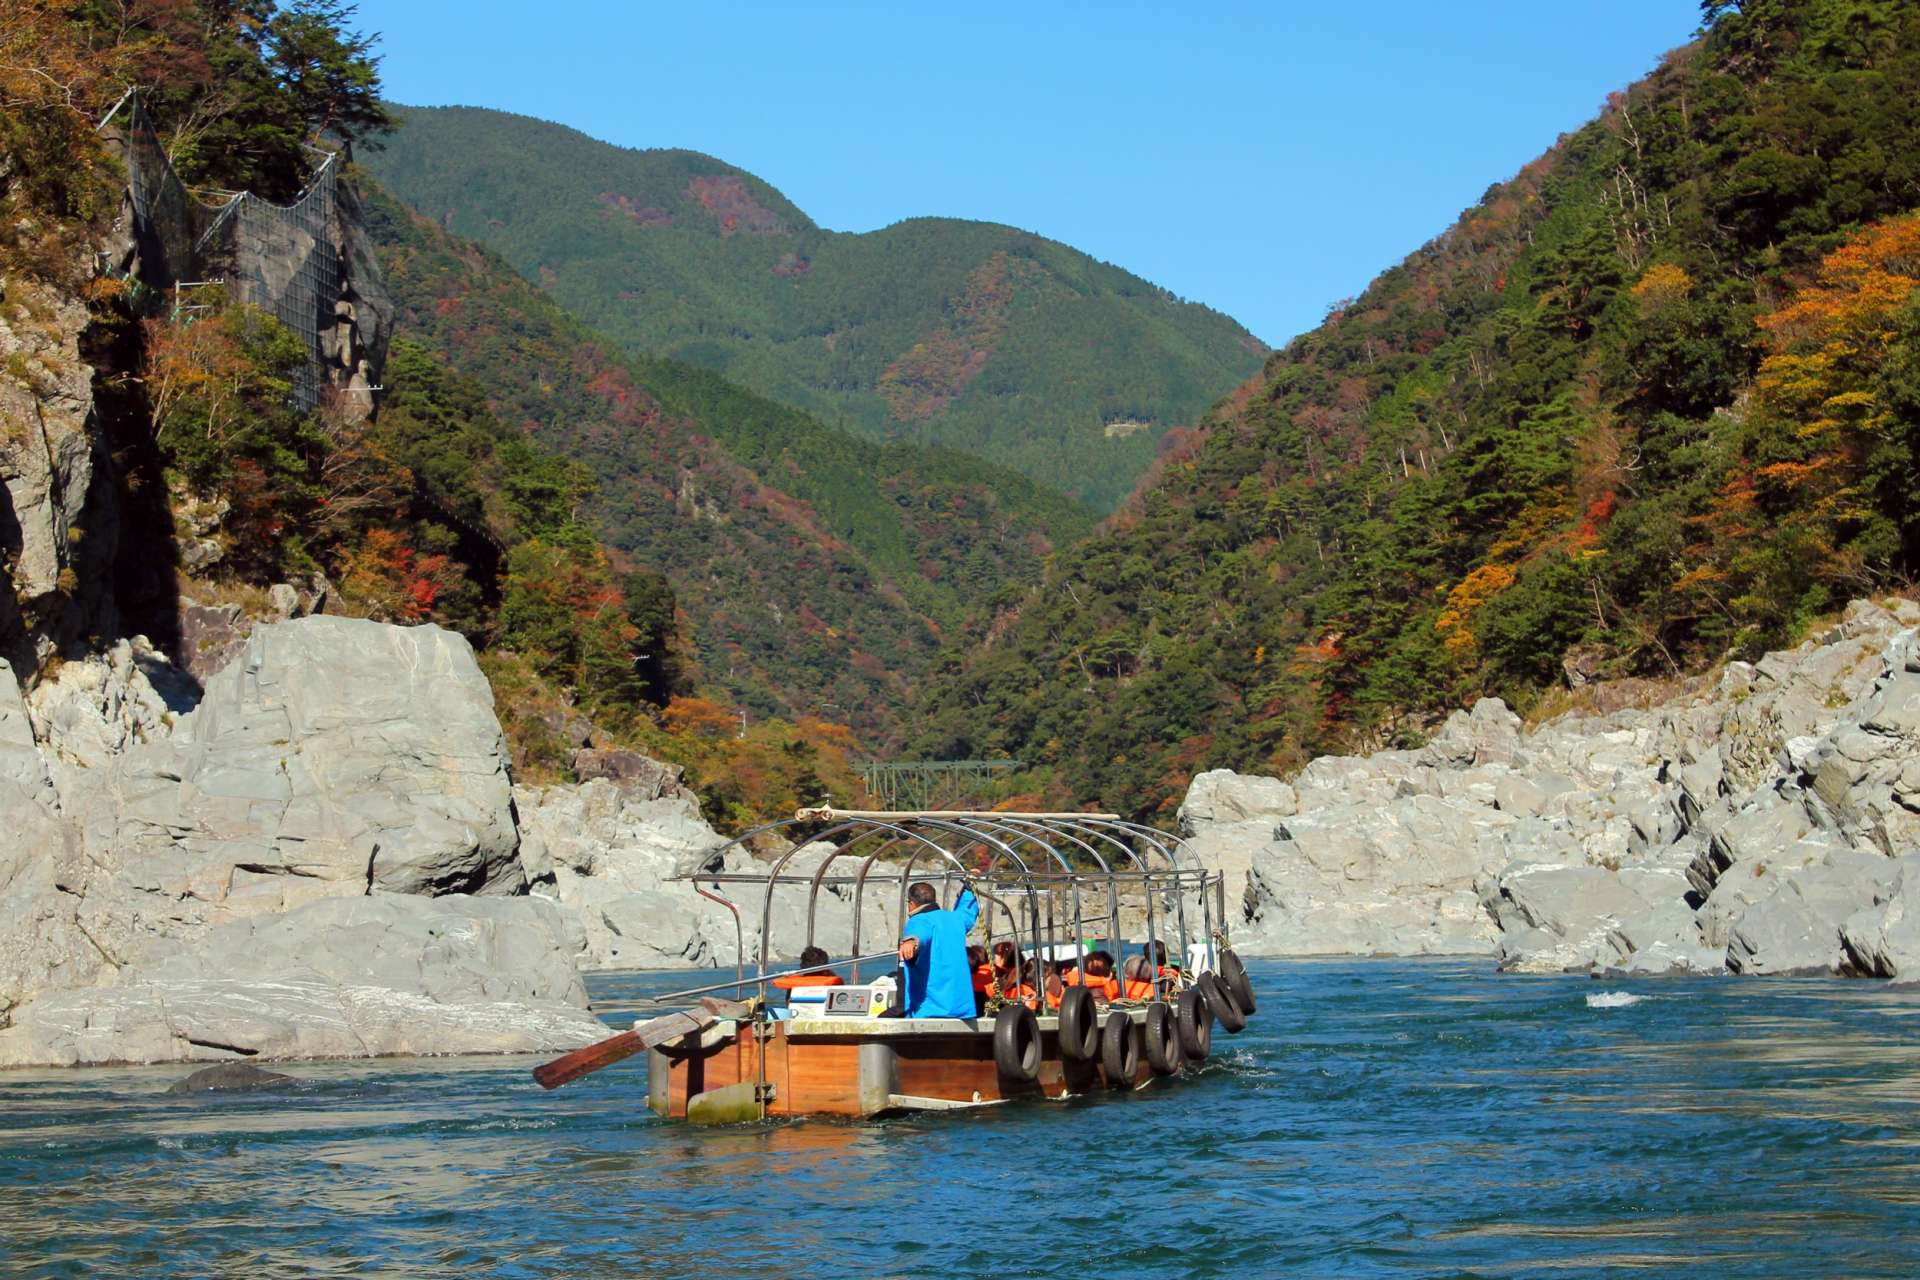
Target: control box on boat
1058,887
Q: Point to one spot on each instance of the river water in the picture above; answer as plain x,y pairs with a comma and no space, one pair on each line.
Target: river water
1376,1118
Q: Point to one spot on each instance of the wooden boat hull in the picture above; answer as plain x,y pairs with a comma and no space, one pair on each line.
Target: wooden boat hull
849,1067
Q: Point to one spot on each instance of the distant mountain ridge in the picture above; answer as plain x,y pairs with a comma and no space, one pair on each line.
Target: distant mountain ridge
966,334
818,572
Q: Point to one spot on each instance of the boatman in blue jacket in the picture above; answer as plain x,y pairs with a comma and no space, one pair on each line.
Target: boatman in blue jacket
933,954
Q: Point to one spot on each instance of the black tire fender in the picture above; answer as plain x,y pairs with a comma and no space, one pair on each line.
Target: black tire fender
1119,1049
1220,1000
1079,1025
1194,1017
1239,985
1016,1044
1163,1039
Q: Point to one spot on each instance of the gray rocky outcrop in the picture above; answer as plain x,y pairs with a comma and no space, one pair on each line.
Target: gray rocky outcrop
58,519
343,977
231,1077
283,869
1760,822
605,851
1882,937
610,851
1222,796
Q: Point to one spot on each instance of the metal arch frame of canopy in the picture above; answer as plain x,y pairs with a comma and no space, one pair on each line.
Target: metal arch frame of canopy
1024,859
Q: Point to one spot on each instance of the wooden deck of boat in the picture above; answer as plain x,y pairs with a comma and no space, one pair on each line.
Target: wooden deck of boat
856,1067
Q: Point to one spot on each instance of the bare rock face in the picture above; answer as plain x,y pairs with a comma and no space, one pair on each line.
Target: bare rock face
58,520
605,851
1223,796
352,977
42,944
87,713
336,758
1764,824
1393,879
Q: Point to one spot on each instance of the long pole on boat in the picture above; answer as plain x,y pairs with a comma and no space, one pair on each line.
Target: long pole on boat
604,1053
766,977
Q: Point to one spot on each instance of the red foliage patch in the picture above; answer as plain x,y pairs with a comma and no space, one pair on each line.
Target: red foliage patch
645,214
729,201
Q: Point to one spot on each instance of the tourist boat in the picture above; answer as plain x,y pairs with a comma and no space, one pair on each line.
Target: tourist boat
1053,884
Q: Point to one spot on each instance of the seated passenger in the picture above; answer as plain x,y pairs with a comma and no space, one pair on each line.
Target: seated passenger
1099,976
982,978
1006,962
1158,951
815,976
1138,986
1019,988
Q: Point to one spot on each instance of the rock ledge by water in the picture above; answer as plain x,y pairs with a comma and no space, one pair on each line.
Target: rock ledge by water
1769,823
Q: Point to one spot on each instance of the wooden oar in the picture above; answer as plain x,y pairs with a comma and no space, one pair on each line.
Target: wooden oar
571,1066
668,1026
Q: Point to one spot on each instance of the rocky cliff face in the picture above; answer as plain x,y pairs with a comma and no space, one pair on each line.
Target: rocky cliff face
58,520
332,821
1766,824
323,855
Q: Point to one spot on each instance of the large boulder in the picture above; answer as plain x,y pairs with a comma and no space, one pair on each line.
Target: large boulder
1221,796
1396,879
335,757
1797,927
606,852
1882,937
357,977
90,711
1556,917
1488,734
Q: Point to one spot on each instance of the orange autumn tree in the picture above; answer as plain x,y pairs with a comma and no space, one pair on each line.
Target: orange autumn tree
56,173
395,581
1828,458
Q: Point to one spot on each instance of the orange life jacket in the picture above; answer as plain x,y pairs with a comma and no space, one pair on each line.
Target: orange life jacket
793,980
1104,988
983,978
1139,989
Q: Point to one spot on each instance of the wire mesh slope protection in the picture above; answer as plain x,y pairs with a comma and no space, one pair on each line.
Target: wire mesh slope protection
285,259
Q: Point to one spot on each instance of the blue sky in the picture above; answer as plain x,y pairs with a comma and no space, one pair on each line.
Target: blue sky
1263,159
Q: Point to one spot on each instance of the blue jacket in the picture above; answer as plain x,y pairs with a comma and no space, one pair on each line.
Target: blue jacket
939,980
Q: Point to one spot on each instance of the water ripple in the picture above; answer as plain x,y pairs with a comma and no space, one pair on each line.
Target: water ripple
1377,1118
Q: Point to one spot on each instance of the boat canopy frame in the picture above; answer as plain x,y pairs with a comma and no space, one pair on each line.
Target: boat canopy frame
1029,868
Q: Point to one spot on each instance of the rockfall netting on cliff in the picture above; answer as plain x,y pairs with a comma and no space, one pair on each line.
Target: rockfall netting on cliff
308,262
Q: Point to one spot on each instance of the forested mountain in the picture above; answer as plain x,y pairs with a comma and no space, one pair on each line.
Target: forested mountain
633,544
1655,400
817,572
965,334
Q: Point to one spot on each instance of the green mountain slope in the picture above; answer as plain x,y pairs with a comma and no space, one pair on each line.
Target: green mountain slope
1655,399
818,572
964,334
